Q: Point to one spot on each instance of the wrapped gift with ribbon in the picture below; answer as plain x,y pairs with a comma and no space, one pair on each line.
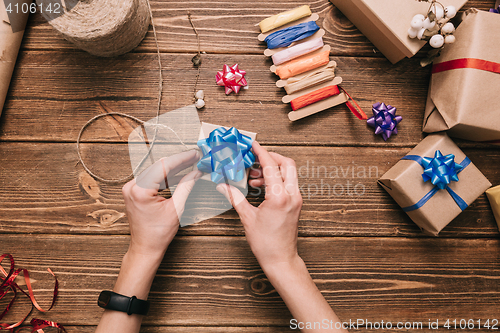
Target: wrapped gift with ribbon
227,154
463,92
493,195
434,183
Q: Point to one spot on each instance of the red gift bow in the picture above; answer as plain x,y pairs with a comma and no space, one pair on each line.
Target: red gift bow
8,283
232,78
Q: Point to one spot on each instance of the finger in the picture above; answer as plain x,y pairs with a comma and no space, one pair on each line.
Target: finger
154,177
183,190
256,182
271,171
176,167
288,172
237,199
175,163
255,173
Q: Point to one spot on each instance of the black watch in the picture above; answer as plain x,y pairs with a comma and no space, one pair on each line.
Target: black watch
130,305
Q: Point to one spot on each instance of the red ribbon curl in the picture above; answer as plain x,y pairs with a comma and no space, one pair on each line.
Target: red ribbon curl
8,284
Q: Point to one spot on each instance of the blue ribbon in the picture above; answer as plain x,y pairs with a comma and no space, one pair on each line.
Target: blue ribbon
440,170
287,36
226,155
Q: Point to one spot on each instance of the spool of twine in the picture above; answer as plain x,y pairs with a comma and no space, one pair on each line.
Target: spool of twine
104,28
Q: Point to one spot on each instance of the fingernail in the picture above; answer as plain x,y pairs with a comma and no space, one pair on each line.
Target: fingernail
221,189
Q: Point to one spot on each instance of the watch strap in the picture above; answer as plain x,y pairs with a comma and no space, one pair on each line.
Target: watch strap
130,305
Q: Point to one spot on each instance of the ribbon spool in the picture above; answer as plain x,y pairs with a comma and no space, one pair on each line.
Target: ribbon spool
303,64
104,28
297,51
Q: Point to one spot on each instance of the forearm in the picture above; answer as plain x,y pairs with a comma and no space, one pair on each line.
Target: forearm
302,297
135,278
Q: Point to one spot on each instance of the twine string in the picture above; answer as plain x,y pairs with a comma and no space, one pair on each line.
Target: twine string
156,125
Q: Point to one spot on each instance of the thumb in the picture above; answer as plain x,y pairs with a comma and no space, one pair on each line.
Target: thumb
236,198
183,190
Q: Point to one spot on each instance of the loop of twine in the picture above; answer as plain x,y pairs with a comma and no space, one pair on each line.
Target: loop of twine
156,125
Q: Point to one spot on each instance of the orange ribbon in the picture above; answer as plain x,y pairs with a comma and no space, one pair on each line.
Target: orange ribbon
481,64
303,64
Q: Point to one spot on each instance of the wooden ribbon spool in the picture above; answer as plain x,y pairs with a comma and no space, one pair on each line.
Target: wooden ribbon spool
103,28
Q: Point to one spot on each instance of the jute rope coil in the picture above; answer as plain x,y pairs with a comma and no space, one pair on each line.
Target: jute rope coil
104,28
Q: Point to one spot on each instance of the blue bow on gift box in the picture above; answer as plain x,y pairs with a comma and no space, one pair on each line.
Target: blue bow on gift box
226,155
440,170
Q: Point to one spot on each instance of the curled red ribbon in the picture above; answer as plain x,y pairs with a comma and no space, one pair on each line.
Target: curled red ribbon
9,284
480,64
358,112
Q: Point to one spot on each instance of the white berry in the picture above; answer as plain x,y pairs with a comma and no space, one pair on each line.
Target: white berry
428,24
437,41
420,33
417,22
448,28
450,39
199,103
412,33
438,11
450,11
418,17
199,94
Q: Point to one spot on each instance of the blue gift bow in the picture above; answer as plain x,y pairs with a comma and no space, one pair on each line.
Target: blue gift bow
425,160
226,154
287,36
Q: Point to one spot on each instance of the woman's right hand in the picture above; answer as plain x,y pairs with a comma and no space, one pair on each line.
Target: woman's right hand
271,228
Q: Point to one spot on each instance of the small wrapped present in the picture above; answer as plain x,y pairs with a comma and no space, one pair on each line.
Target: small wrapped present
463,92
434,183
493,195
227,154
385,23
11,34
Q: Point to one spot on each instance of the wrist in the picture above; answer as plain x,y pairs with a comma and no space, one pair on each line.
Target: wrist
276,271
137,254
136,274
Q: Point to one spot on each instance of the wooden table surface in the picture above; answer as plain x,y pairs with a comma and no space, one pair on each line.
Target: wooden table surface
368,258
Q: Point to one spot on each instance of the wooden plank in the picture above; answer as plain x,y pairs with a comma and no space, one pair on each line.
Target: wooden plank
43,190
53,94
190,329
267,329
234,22
216,281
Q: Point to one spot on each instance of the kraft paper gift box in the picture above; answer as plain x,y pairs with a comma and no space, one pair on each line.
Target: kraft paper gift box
11,34
493,195
386,22
464,101
405,183
205,131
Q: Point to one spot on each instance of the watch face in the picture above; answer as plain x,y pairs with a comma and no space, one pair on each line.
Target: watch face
104,298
